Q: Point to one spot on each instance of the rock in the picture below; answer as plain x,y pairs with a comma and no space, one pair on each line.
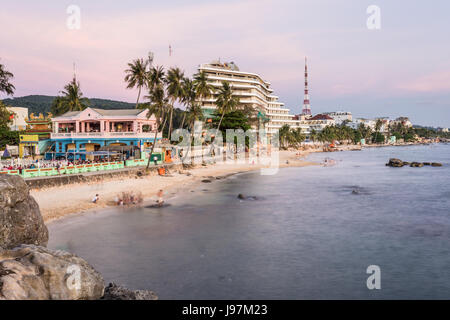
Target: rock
436,164
31,272
416,164
427,164
206,181
406,163
115,292
20,219
241,196
393,162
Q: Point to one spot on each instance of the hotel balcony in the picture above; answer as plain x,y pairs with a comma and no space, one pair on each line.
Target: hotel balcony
105,135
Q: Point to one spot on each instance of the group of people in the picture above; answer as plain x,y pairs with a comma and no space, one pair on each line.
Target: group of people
39,164
130,198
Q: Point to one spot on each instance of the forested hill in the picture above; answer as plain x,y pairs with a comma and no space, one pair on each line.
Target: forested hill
41,104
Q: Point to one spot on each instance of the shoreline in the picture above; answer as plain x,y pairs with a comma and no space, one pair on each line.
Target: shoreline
63,201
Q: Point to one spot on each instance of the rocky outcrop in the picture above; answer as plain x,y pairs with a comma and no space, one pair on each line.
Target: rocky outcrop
436,164
393,162
416,164
115,292
20,219
36,273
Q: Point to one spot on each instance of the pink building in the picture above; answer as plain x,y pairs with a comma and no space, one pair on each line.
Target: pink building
91,129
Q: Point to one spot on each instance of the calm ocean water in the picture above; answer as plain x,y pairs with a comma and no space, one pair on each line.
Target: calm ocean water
308,236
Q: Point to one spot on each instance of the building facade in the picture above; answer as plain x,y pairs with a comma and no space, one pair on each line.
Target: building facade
87,131
340,116
253,92
18,118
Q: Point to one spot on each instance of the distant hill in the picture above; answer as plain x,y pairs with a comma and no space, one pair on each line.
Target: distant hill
41,104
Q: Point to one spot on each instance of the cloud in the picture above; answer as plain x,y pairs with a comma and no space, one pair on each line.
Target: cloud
437,82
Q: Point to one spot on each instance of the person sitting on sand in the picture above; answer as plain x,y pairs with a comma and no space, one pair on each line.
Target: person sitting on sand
160,200
95,199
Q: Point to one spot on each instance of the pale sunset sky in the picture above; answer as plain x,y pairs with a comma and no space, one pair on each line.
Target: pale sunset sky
403,69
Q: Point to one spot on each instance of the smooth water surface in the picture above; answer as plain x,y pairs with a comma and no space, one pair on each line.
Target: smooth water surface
312,233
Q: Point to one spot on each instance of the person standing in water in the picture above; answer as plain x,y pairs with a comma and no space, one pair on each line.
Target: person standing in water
160,200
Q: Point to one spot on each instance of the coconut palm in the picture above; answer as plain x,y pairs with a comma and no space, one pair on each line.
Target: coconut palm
71,100
225,101
5,77
157,107
137,76
202,86
174,81
189,96
156,77
378,125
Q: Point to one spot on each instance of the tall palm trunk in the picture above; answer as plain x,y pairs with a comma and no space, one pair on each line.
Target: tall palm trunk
154,143
170,120
184,118
139,95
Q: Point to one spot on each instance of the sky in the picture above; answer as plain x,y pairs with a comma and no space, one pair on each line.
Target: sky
400,69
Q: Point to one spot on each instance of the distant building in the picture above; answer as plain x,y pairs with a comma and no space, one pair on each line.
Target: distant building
19,116
366,122
403,121
319,122
340,116
445,130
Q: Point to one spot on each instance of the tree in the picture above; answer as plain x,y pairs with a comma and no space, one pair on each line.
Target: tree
5,81
137,76
225,101
284,134
157,107
174,91
189,96
203,88
71,100
5,117
378,125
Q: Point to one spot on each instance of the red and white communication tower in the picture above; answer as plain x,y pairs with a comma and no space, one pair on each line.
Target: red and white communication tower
306,107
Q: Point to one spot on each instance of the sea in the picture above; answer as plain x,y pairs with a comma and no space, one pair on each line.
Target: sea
354,230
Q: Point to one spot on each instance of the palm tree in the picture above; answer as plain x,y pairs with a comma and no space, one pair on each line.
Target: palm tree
174,90
189,96
202,86
71,100
137,76
378,126
157,107
156,77
225,101
283,134
5,77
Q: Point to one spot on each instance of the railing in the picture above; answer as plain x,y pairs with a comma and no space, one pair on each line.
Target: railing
76,135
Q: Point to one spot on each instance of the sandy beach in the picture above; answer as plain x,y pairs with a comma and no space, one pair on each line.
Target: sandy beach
57,202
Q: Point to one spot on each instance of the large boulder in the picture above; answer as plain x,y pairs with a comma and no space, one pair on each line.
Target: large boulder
115,292
20,219
36,273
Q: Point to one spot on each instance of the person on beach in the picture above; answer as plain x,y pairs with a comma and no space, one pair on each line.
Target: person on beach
160,200
95,199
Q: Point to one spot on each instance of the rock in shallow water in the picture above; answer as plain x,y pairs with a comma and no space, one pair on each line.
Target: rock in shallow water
115,292
20,219
37,273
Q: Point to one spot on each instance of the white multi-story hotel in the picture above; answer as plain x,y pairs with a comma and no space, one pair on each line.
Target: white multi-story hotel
252,91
